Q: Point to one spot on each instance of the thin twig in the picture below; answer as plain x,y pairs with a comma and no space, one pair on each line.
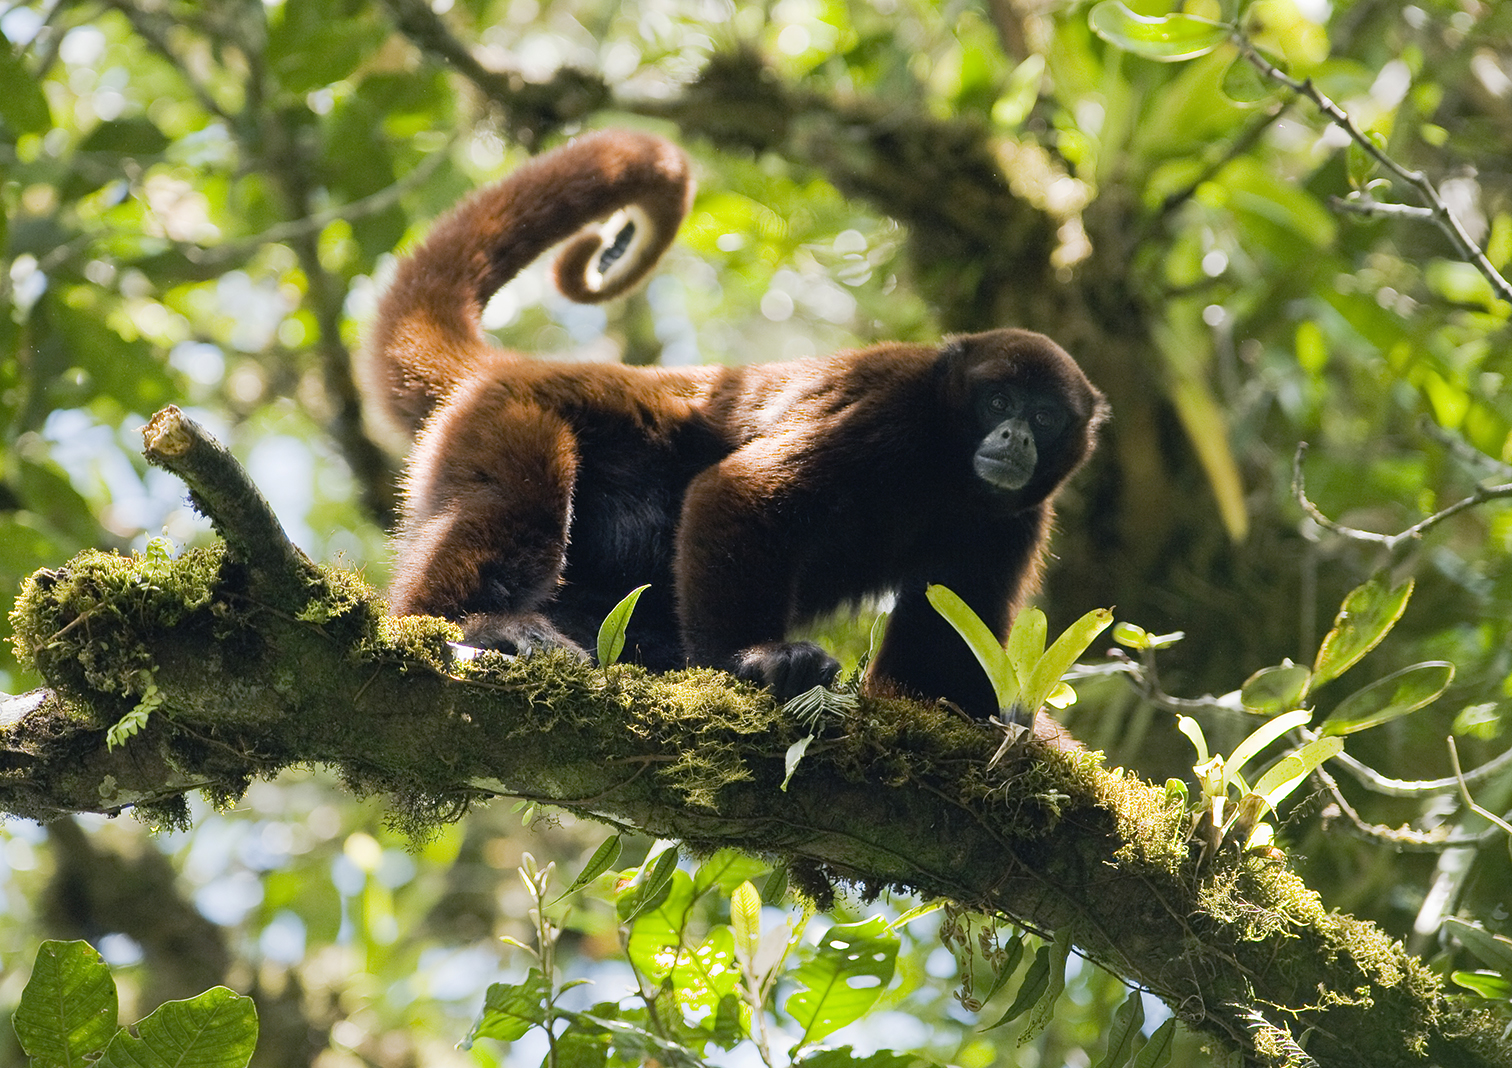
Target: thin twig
1391,542
1438,211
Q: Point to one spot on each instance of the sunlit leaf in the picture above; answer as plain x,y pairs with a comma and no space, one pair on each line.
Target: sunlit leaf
726,870
1026,641
602,860
1289,772
511,1009
1492,949
1488,985
611,635
1073,641
657,930
1261,737
983,643
1166,38
1193,730
853,966
1273,690
217,1029
791,758
1386,699
745,920
1366,616
68,1008
647,893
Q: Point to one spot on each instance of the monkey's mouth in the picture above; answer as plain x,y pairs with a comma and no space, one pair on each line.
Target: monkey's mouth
1008,476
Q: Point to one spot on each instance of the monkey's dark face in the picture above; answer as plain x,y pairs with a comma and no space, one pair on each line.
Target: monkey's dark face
1024,425
1030,412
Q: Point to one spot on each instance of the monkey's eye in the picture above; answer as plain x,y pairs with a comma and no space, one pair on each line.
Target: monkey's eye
1045,419
998,403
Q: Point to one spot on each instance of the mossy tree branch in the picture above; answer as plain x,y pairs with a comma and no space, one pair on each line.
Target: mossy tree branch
259,660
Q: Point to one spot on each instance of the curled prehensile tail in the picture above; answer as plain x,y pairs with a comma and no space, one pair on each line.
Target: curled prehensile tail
636,186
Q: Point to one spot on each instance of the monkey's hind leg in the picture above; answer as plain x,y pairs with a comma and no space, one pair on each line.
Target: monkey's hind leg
487,507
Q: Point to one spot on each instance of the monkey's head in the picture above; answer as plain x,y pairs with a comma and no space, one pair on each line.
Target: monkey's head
1030,412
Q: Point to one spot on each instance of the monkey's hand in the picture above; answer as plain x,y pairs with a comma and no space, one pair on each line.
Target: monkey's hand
517,634
786,668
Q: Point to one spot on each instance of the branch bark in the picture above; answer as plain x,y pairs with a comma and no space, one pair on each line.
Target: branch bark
254,660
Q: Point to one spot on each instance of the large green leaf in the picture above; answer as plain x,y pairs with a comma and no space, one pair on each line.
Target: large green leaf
854,964
1166,38
1386,699
1286,774
217,1029
511,1009
1261,737
68,1009
1073,641
656,936
1127,1021
983,643
1365,617
1273,690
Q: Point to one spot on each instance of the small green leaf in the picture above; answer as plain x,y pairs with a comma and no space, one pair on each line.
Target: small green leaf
983,643
792,757
917,912
1058,659
602,860
1193,730
745,921
1243,83
726,869
1492,949
853,966
1014,952
217,1029
68,1009
649,893
1127,1021
1039,1018
1273,690
1261,737
611,635
1386,699
1365,617
1158,1050
1131,636
511,1009
1488,985
1176,792
1288,773
1166,38
1036,981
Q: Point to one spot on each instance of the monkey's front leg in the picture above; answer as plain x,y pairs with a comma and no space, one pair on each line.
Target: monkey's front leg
737,573
487,505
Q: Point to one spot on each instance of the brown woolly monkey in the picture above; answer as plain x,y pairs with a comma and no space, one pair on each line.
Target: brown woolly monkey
750,498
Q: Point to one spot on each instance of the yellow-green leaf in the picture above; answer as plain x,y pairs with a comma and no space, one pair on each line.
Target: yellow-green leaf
1386,699
1365,617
